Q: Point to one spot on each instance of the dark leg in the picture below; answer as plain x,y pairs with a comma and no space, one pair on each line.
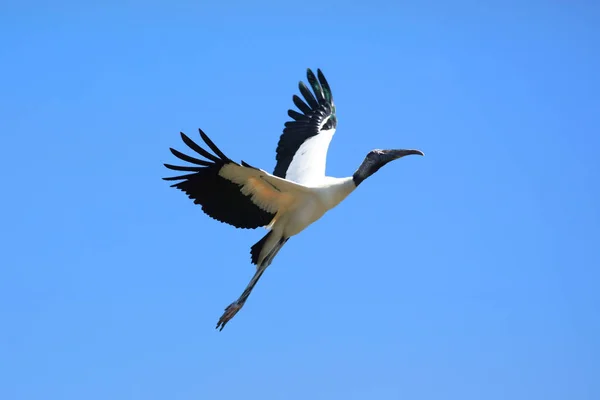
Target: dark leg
237,305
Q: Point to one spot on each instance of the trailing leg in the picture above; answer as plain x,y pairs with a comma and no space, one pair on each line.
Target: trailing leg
237,305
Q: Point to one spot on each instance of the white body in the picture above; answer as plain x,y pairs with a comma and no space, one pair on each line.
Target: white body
296,206
312,204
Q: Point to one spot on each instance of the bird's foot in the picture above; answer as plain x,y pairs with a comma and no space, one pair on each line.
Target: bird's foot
229,313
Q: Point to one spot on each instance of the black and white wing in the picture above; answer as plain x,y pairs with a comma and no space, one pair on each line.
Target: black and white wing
237,194
302,148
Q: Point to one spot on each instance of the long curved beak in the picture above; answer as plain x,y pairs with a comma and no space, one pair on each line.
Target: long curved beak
395,154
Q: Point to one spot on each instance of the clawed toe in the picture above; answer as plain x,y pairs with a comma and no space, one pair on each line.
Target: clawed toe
229,313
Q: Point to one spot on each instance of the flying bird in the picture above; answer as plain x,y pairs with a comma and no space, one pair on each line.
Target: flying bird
287,201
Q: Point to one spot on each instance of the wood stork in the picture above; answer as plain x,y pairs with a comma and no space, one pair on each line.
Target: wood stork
287,201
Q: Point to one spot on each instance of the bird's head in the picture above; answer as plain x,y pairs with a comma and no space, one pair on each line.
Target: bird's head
377,159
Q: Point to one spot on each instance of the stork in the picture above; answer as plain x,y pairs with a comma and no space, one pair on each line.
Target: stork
290,199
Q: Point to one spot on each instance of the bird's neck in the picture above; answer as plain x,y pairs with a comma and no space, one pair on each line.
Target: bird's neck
366,169
358,177
362,173
334,190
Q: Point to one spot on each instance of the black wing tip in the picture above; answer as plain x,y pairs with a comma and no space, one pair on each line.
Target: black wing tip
190,159
297,116
177,178
168,178
213,146
322,81
170,166
175,152
321,75
184,168
203,135
211,159
311,75
301,85
186,139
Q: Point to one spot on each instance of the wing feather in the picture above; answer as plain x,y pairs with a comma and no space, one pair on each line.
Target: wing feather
240,195
310,99
316,87
302,148
189,159
301,105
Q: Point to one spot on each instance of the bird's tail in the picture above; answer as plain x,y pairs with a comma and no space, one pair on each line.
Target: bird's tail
263,251
257,248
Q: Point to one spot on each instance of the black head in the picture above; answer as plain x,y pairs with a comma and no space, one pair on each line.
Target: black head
377,159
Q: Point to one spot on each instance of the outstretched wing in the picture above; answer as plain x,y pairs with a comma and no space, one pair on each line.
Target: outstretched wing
237,194
302,148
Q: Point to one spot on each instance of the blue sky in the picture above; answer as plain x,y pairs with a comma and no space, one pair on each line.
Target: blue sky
470,273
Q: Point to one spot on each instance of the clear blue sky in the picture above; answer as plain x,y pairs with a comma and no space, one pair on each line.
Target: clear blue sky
470,273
